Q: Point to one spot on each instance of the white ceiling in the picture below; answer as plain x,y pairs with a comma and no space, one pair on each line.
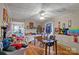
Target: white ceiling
24,11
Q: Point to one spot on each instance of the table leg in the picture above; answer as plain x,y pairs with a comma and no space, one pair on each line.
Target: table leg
56,47
43,45
45,49
34,41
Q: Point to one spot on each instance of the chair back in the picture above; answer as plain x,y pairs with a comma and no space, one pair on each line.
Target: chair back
52,37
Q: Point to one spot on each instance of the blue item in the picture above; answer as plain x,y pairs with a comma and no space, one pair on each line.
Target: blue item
48,28
65,31
1,46
50,43
73,32
6,42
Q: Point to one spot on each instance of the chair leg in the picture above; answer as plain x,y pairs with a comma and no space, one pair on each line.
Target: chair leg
53,48
49,50
45,49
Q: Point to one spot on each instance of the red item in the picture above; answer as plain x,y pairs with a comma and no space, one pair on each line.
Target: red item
19,38
75,39
17,46
13,35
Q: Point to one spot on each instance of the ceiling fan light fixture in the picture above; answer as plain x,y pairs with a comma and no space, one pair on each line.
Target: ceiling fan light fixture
42,18
42,14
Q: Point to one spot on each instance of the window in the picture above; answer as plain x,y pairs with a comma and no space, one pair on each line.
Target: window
18,29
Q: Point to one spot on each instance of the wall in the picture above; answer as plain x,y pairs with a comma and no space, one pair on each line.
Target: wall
32,20
64,19
36,23
26,23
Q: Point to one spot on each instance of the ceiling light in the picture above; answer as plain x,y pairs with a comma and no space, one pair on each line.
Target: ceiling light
42,18
42,14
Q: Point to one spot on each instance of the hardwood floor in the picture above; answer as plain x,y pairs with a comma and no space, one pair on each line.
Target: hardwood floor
61,50
65,50
33,50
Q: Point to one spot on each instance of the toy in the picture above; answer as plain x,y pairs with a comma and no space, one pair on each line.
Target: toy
65,31
6,43
75,39
17,46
